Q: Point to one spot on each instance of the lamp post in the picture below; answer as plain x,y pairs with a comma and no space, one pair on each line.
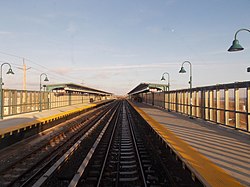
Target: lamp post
1,86
163,78
40,87
236,45
182,70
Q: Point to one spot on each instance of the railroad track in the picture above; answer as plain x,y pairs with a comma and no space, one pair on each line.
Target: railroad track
126,162
62,172
118,157
117,149
20,168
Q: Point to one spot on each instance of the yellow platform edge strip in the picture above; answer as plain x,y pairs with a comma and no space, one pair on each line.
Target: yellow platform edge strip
204,169
42,120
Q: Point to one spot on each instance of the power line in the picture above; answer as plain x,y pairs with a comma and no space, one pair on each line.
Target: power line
11,54
49,70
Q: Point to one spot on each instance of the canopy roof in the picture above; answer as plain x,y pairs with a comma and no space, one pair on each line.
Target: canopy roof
148,87
71,87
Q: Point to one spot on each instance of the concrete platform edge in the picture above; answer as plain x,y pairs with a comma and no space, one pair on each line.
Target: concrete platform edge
43,120
204,169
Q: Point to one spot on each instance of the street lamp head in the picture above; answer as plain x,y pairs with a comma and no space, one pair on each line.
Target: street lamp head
46,79
182,70
163,78
248,69
10,72
235,46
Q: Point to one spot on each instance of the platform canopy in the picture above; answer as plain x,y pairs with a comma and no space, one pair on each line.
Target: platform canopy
71,87
148,87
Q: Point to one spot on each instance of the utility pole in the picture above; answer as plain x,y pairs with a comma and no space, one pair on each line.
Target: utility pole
24,73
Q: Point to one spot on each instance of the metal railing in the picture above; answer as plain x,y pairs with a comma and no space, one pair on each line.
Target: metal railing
22,101
226,104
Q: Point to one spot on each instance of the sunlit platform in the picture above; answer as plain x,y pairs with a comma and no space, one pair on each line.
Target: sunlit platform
216,154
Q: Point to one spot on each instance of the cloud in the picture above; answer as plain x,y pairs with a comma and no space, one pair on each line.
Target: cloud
34,20
5,33
124,55
170,2
62,70
155,29
125,67
71,28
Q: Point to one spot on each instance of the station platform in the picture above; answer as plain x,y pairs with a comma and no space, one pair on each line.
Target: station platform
216,155
19,123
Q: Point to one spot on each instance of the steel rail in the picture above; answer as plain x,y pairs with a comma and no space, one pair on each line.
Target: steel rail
56,152
135,146
37,151
157,156
108,150
85,162
70,151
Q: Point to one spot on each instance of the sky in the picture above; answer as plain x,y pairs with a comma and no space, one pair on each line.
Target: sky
114,45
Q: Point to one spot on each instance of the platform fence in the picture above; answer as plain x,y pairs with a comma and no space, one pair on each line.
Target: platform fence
16,102
226,104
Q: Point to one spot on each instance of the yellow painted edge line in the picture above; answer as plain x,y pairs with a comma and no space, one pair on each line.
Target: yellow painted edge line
41,120
211,174
64,113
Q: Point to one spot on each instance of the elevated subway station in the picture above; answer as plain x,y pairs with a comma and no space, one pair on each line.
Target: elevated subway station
224,104
145,88
72,90
215,122
29,112
16,102
211,148
75,88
